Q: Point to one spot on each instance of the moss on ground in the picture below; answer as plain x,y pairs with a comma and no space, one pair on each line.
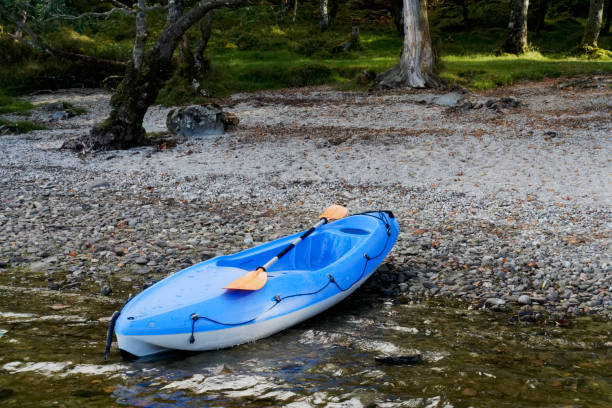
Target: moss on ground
21,126
9,104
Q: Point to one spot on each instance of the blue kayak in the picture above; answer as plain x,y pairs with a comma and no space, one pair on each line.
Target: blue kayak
190,310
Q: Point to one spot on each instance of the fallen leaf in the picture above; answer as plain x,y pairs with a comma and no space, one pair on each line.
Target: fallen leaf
419,231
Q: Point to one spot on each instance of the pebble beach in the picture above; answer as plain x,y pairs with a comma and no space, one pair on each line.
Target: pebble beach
507,208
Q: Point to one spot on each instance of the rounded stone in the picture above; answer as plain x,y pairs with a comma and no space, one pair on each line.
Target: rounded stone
524,300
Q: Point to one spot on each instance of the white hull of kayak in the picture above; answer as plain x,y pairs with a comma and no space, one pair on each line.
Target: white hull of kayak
144,345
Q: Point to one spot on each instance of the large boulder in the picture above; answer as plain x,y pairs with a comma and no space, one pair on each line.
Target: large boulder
200,120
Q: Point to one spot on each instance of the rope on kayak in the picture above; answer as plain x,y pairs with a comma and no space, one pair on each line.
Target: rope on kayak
109,334
111,329
195,317
384,218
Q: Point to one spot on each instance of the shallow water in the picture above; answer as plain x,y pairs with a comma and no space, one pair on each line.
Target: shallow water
52,346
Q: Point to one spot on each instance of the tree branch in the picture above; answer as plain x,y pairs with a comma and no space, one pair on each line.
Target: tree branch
120,4
141,35
122,10
171,35
205,32
91,14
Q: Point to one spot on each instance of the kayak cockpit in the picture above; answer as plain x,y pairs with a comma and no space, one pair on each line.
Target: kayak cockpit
320,250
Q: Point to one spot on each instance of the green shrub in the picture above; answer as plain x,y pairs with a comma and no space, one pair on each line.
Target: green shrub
249,41
313,45
265,74
311,74
14,52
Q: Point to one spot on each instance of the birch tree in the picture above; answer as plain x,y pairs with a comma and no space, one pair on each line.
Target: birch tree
593,24
416,64
324,21
516,42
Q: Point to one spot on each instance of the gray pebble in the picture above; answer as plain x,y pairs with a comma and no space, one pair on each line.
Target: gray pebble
524,300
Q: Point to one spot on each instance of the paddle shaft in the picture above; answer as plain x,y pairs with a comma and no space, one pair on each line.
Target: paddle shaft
289,247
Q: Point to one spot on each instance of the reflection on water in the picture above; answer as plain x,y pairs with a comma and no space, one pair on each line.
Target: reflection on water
52,350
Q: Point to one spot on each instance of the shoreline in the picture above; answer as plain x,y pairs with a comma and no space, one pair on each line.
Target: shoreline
493,205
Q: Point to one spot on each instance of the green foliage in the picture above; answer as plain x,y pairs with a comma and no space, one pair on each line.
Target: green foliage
255,48
22,126
46,72
14,52
37,10
311,74
12,105
592,53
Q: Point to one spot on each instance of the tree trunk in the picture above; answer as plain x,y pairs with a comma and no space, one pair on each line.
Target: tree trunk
606,28
415,67
295,4
24,19
397,10
353,44
141,35
324,18
198,52
355,36
516,43
465,11
185,57
333,12
593,24
540,14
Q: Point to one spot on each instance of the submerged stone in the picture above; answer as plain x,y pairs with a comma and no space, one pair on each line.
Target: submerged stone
399,360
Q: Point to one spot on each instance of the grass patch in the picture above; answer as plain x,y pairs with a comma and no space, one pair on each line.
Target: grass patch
73,110
22,126
488,71
11,105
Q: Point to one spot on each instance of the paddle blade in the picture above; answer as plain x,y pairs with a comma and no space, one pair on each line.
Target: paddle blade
253,280
334,212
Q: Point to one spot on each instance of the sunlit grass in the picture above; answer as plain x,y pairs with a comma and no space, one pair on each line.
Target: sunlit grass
487,71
